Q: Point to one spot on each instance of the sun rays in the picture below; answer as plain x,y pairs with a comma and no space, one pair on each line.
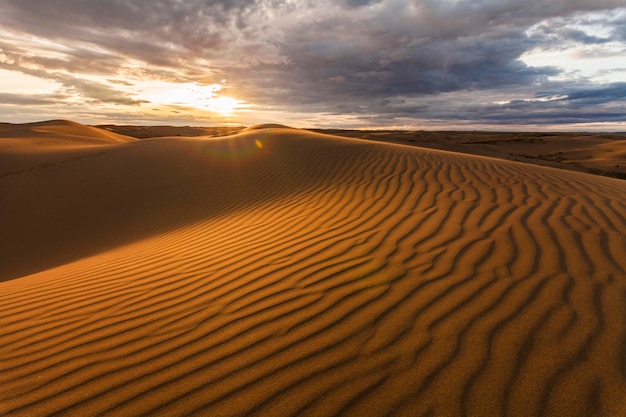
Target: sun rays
189,95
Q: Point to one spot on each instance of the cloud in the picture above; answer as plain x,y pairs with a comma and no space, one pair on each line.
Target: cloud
399,59
91,90
612,93
157,32
358,3
31,99
338,61
96,91
554,106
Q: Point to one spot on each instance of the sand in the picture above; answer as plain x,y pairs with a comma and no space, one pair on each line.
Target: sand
143,132
281,272
590,152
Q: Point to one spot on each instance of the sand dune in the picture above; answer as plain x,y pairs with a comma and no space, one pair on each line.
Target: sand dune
281,272
143,132
58,133
25,146
597,153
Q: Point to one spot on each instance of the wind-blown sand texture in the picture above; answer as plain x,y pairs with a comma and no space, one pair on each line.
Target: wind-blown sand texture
280,272
597,153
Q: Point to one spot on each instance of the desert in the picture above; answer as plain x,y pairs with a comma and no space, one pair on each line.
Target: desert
332,208
275,271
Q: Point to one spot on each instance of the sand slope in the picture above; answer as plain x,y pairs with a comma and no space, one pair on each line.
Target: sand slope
25,146
597,153
280,272
143,132
58,133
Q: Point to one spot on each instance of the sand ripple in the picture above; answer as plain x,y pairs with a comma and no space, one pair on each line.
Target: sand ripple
281,272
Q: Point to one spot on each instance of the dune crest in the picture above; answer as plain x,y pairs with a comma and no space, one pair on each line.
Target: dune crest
268,126
280,272
55,133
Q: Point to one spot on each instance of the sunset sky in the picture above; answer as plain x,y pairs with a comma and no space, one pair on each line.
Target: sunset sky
424,64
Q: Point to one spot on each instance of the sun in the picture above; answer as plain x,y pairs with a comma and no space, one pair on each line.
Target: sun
191,95
223,104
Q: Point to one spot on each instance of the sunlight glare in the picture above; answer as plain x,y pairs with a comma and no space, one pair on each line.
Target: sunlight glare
203,97
223,104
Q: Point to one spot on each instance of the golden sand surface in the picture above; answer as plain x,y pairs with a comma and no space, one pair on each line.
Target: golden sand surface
283,272
592,152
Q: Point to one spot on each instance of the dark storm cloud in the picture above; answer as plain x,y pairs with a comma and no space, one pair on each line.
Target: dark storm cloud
439,65
581,36
359,3
347,57
336,64
422,49
574,105
563,33
619,29
615,92
538,115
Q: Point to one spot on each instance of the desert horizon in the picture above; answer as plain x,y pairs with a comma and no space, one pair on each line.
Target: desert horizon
276,271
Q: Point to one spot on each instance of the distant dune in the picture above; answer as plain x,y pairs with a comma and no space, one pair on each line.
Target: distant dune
283,272
594,153
143,132
267,126
58,133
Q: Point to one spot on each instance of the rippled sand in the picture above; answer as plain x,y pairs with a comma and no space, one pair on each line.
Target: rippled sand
282,272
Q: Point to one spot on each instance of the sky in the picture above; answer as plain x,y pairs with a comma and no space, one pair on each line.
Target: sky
372,64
